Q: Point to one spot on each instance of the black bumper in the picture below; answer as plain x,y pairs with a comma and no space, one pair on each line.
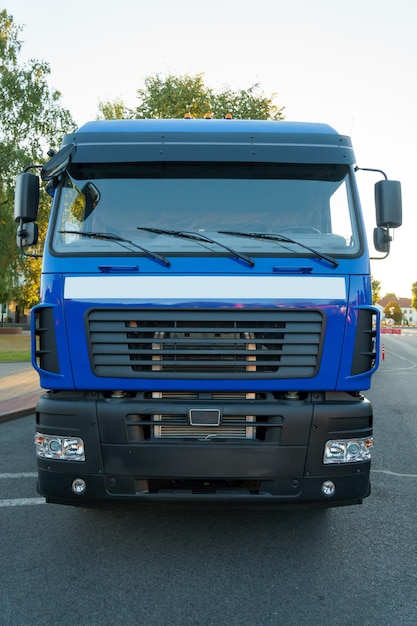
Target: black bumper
284,469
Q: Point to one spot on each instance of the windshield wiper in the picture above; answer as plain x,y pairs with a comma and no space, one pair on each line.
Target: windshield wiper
119,240
185,234
280,238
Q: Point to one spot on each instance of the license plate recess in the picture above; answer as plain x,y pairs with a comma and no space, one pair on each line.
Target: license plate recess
204,417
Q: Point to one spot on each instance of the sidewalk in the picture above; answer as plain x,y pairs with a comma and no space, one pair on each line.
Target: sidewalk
19,390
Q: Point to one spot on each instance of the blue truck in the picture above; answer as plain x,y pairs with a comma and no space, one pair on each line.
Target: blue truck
205,328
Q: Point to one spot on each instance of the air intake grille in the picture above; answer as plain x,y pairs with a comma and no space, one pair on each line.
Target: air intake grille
199,343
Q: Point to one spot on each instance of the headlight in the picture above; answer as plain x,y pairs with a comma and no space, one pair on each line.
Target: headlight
60,448
348,450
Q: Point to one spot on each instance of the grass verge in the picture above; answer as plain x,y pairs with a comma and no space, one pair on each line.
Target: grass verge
14,348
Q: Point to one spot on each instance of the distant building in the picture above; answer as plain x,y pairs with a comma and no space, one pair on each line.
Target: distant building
409,313
11,313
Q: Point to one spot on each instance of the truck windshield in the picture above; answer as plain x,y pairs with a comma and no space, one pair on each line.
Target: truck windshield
311,204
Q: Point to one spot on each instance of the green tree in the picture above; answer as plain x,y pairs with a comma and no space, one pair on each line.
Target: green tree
114,110
249,104
414,295
393,311
174,96
31,121
376,290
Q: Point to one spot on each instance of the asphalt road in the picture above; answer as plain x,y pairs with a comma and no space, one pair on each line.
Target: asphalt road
351,566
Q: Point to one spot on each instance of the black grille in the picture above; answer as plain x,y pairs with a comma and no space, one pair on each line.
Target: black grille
46,353
233,343
364,355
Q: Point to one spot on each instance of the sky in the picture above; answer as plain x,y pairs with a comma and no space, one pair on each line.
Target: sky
352,65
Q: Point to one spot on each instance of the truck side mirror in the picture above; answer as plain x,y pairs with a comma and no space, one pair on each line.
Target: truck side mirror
27,235
26,200
382,239
388,204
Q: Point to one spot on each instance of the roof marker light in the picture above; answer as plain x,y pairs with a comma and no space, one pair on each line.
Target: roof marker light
228,116
207,116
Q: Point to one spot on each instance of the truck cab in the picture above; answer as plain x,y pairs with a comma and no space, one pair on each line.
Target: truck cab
205,328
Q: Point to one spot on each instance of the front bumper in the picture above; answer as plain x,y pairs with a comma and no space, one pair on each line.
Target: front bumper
281,468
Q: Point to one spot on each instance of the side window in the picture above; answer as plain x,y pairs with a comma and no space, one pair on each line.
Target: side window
341,223
72,203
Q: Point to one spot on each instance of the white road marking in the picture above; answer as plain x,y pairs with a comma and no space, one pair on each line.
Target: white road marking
20,475
22,502
394,473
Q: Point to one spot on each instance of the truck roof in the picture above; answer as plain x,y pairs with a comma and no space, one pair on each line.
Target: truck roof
206,125
209,139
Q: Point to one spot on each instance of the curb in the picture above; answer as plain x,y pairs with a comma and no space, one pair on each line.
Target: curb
19,407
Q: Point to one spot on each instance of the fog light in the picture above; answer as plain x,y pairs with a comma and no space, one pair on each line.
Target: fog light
328,488
79,486
348,450
59,448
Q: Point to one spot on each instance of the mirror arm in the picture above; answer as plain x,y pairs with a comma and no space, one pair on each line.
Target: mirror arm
379,258
370,169
33,167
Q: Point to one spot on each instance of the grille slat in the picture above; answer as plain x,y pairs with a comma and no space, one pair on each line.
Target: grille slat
234,343
288,361
232,427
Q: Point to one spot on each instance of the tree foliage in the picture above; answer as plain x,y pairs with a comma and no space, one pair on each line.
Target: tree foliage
393,311
414,295
376,290
31,121
115,110
174,96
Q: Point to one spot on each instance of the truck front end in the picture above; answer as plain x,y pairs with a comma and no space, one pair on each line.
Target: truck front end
205,328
